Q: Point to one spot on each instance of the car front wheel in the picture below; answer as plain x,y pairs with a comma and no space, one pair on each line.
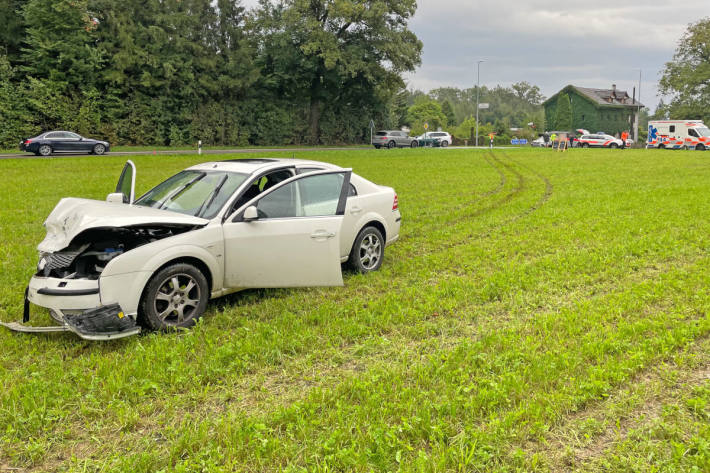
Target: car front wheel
99,149
176,296
45,150
414,144
700,147
613,145
368,250
444,144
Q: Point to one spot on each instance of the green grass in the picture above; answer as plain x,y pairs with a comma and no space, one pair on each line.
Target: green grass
542,311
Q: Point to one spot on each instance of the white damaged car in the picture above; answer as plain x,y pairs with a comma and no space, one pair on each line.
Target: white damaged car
108,269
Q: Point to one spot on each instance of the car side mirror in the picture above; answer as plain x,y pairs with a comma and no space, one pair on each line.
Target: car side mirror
115,197
250,214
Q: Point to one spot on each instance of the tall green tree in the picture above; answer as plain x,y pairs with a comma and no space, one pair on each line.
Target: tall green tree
12,31
428,112
340,54
686,79
563,118
448,112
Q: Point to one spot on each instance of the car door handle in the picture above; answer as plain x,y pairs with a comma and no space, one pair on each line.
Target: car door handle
322,234
355,210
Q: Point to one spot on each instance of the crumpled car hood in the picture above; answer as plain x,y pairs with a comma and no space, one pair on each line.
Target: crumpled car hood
72,216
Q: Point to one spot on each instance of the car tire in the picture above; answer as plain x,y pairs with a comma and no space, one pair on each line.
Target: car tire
613,146
661,146
391,145
585,145
98,149
44,150
700,147
176,296
377,146
368,251
414,144
444,144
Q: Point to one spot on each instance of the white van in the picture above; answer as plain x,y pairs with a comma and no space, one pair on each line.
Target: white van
678,134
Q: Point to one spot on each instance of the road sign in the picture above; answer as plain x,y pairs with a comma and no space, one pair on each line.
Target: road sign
372,124
484,105
426,126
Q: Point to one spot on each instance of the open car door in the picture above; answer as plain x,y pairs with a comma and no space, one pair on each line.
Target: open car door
127,182
289,236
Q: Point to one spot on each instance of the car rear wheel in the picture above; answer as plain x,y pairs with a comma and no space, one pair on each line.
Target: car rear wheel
45,150
368,250
700,147
613,145
585,145
99,149
391,144
176,296
414,144
444,143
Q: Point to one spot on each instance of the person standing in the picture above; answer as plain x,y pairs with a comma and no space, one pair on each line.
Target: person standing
624,137
491,135
553,138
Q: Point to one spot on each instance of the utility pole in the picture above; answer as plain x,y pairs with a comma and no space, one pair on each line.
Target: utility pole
638,112
478,88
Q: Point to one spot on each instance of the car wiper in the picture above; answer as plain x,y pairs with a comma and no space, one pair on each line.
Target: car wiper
206,204
180,190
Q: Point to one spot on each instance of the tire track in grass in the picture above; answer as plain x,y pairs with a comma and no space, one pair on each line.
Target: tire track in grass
465,239
587,434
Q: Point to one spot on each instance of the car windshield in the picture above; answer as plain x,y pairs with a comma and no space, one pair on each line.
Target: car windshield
197,193
705,132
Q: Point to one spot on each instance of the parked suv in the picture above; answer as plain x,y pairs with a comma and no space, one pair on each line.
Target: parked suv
443,137
394,139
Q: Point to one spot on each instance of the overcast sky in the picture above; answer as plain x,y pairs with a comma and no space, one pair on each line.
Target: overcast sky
593,43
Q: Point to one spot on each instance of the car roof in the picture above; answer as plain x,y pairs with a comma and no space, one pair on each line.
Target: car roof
252,165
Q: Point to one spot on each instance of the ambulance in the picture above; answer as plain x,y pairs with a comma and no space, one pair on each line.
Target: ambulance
678,134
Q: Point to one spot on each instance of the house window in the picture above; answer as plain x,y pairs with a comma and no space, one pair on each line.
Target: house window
672,129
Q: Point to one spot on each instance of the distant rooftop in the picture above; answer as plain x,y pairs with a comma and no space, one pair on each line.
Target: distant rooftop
611,96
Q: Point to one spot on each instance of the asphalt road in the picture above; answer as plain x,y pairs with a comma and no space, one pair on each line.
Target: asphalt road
225,151
180,151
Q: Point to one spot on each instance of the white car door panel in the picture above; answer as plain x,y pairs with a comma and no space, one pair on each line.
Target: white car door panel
295,242
289,252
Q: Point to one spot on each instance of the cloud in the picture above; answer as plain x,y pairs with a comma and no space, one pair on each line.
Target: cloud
548,43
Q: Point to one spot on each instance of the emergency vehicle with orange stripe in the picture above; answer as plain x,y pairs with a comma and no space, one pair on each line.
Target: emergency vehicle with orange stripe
678,134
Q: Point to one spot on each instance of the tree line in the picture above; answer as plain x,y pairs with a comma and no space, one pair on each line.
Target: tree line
170,72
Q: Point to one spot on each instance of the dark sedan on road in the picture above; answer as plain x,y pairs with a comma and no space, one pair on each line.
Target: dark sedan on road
63,142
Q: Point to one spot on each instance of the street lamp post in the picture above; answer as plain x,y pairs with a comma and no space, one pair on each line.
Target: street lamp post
638,111
478,87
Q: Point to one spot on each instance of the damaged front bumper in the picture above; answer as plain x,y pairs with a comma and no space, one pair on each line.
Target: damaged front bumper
68,306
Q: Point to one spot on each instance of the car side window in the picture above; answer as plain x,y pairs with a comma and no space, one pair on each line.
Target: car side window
352,191
71,135
261,184
312,196
51,136
672,129
692,132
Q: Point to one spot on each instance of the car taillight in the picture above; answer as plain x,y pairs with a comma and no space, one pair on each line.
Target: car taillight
395,204
28,142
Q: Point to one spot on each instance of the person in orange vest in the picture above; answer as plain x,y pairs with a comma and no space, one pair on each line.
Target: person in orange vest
624,137
491,135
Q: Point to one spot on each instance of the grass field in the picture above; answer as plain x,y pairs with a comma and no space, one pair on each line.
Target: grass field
542,312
